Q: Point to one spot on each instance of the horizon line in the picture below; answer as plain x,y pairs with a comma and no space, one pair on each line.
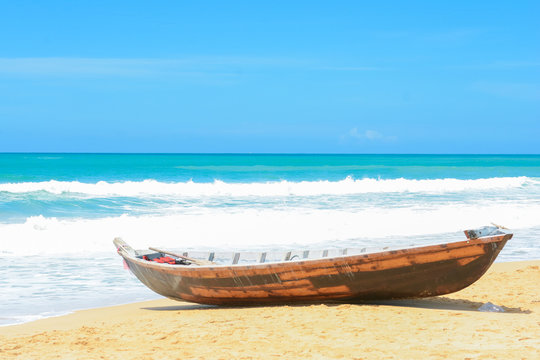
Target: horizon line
253,153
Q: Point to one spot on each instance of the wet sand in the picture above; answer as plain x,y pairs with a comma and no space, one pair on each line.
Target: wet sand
442,327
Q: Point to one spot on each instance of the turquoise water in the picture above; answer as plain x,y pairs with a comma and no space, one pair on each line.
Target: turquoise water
251,168
26,198
63,210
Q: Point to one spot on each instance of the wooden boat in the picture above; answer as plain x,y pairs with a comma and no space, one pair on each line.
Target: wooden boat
391,274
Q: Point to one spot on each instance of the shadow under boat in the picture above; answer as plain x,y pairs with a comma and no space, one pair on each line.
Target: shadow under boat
435,303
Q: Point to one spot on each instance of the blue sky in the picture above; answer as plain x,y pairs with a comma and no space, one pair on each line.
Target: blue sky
279,77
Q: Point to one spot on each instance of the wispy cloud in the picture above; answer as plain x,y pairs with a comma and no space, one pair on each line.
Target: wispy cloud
140,67
522,91
453,35
370,135
513,64
188,66
498,65
90,66
445,35
352,68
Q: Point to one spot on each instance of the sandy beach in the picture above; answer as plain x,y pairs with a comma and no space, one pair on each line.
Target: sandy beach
443,327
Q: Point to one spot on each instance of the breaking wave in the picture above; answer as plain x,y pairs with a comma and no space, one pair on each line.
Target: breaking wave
262,228
346,186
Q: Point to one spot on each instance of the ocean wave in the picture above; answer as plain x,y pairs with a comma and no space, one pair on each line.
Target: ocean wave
261,228
346,186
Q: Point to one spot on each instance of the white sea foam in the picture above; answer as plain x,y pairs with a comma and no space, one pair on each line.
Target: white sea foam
12,320
281,188
256,228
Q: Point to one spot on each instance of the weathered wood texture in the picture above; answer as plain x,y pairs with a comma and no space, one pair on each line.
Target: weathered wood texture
408,273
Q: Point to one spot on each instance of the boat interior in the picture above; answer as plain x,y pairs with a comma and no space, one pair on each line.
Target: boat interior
205,258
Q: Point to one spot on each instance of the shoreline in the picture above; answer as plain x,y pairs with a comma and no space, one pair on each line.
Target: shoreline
40,317
445,326
73,311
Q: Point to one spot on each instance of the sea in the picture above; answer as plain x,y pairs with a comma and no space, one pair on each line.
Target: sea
60,212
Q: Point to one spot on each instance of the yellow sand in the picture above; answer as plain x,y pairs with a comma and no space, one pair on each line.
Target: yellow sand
443,327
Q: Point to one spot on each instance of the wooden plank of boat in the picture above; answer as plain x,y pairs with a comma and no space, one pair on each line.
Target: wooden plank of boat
405,273
195,261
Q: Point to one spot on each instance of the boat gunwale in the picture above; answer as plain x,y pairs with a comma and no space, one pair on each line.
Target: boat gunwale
374,256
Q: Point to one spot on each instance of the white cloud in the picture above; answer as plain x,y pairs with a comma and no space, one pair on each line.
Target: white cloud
352,68
447,35
192,66
180,66
523,91
497,65
371,135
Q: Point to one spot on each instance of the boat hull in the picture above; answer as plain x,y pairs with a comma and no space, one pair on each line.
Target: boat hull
407,273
